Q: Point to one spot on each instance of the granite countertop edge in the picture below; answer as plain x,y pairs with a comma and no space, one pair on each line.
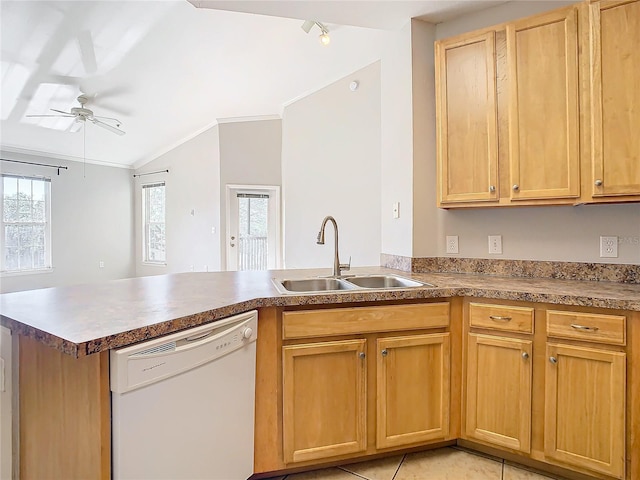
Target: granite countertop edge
23,312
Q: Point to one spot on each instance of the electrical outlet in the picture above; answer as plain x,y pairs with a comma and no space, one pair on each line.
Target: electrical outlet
452,244
495,244
101,264
608,247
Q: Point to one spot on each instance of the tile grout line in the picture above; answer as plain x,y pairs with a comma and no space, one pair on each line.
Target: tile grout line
399,465
353,473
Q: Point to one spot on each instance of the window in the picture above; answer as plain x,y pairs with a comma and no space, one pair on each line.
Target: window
253,215
153,203
26,223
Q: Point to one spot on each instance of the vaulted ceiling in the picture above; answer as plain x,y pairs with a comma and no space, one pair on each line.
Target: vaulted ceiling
166,70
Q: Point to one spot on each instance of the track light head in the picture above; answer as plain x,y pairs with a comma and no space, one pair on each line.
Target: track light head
308,25
324,36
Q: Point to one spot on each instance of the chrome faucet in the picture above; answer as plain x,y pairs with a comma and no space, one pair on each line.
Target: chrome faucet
337,266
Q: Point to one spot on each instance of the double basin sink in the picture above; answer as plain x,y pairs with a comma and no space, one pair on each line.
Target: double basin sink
356,282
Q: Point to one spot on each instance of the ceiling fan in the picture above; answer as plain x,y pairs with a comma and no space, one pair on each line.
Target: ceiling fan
82,114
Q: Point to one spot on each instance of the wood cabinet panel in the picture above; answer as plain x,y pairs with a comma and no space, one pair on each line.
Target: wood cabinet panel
467,110
589,327
413,388
501,317
324,400
615,97
499,373
585,408
344,321
544,148
65,413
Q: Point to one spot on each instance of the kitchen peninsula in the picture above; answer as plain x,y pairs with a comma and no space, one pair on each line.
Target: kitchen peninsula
64,336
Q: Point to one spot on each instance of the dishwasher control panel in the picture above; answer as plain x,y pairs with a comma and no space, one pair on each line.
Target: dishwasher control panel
146,363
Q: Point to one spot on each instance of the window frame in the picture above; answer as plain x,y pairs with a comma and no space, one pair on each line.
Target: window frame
146,223
48,250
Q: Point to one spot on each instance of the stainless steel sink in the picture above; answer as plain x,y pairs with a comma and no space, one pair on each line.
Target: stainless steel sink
313,285
385,281
356,282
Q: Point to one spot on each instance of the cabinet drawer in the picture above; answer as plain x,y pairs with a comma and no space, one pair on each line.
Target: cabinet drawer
591,327
501,317
345,321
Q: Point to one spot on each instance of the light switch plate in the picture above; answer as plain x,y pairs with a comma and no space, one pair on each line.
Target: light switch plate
608,247
396,209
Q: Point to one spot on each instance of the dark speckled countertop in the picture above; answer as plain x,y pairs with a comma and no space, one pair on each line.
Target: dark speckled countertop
85,319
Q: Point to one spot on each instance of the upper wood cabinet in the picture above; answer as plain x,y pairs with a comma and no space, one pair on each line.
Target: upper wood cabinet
544,145
614,39
467,109
543,110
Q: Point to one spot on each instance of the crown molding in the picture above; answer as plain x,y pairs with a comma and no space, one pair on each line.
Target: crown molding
59,156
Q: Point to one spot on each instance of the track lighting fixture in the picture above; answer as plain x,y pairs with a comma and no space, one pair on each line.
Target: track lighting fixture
324,36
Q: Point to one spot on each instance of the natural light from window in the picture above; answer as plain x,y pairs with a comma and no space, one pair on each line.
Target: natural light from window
26,223
153,204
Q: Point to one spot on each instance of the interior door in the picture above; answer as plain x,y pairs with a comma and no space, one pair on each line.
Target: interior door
253,227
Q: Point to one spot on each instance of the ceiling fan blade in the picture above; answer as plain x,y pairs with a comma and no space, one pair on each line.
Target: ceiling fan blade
87,52
111,128
68,114
100,117
58,116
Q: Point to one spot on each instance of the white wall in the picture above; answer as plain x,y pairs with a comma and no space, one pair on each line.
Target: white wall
192,184
532,233
91,221
331,166
250,154
396,143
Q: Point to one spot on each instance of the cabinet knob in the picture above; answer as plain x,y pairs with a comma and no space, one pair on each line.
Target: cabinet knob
516,187
525,355
492,188
362,355
598,183
384,352
553,360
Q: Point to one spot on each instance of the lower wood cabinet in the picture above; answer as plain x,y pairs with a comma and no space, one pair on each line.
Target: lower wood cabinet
585,408
324,399
498,408
386,386
413,385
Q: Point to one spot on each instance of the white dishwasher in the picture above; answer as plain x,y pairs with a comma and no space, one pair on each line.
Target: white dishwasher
183,404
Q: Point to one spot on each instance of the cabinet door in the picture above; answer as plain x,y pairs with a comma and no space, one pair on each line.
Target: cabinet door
413,389
498,407
467,120
324,400
615,97
585,408
542,56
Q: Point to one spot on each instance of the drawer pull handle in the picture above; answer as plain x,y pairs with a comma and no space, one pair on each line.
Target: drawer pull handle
553,360
362,355
384,352
584,328
525,355
499,318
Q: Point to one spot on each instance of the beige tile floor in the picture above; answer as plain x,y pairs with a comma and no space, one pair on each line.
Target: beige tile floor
441,464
